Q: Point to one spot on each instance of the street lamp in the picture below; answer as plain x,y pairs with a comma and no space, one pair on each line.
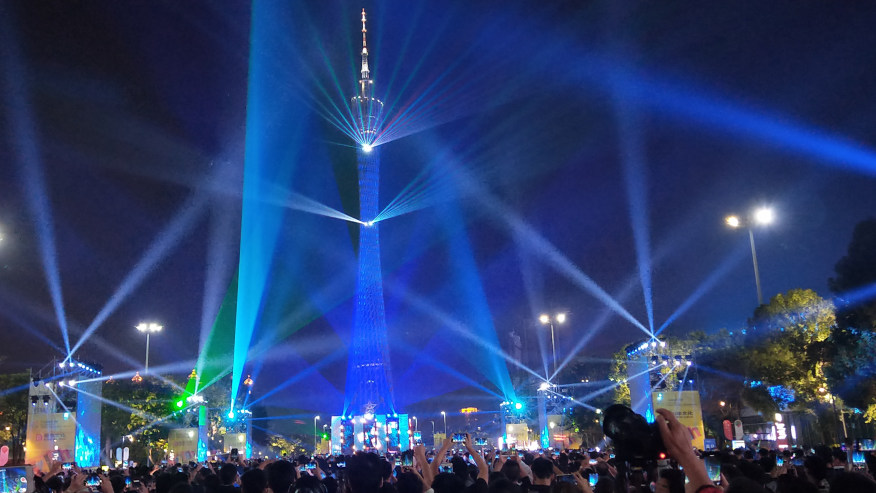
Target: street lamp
546,319
315,419
444,414
762,216
148,328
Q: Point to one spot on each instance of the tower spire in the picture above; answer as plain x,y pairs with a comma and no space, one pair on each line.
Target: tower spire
365,71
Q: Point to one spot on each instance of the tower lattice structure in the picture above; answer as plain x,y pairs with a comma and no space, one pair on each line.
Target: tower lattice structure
369,384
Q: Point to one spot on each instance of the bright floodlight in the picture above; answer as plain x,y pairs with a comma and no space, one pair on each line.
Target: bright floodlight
545,319
732,221
149,327
544,386
367,147
561,318
764,215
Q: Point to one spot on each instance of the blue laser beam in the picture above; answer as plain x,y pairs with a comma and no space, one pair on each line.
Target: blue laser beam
22,127
708,283
163,244
635,175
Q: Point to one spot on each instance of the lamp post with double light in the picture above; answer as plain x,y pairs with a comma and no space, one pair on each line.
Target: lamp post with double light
761,217
149,328
546,319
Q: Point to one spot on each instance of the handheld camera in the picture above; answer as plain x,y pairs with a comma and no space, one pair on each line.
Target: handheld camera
636,441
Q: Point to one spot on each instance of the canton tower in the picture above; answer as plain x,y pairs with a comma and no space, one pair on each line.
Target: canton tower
368,388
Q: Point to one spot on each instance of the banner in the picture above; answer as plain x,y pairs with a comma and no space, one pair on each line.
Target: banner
50,436
686,407
518,434
183,444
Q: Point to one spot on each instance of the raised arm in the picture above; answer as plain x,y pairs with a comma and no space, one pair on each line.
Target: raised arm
483,469
677,439
439,457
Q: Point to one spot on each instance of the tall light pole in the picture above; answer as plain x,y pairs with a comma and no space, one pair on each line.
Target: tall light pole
149,328
315,419
445,423
762,216
546,319
416,428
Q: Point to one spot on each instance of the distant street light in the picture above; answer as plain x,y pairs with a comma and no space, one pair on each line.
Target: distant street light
445,423
762,216
546,319
148,328
315,419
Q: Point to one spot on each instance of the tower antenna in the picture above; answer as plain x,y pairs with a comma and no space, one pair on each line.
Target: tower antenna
365,72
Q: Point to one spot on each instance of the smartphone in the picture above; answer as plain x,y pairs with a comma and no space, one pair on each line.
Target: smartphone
513,452
593,478
302,468
310,466
566,478
713,469
446,468
67,466
458,437
797,461
127,480
135,485
17,479
780,461
480,442
858,457
234,454
592,462
179,469
407,458
93,480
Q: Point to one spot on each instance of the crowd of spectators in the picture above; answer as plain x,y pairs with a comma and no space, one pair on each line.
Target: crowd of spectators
468,469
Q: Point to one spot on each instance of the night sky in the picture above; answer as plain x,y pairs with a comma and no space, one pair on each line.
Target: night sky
587,125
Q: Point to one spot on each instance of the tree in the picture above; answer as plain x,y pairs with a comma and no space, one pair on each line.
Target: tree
137,410
784,343
13,413
857,270
588,376
618,375
851,369
280,446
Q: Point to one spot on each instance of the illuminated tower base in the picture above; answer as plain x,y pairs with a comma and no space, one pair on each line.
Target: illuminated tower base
371,432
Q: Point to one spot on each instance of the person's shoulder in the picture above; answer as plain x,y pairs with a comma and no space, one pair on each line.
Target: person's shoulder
479,486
